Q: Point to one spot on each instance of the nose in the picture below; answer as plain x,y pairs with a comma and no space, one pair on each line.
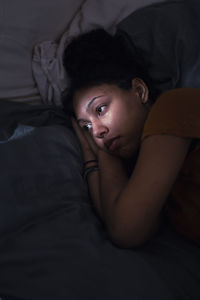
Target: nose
99,130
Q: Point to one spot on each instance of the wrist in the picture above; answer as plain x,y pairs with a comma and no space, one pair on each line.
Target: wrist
89,155
87,171
89,163
106,156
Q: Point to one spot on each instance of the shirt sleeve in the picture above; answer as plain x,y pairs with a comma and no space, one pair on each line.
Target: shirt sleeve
175,112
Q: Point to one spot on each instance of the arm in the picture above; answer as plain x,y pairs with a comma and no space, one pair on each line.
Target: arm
112,180
107,164
93,182
132,213
131,208
90,151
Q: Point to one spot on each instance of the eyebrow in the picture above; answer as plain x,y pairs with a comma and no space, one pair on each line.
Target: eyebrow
89,104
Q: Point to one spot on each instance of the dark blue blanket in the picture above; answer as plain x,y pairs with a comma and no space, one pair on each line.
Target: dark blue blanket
52,244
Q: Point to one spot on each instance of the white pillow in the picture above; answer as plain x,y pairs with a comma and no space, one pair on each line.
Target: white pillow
23,24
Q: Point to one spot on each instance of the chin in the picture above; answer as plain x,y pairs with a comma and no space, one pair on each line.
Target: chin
125,152
128,152
121,153
127,155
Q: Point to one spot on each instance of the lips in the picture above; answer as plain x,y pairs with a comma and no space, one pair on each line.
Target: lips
112,144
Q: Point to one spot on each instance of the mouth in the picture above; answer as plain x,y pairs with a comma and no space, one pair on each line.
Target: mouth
113,144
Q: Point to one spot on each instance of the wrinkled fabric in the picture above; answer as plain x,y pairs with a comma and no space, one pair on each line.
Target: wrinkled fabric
47,65
48,70
164,37
23,24
52,243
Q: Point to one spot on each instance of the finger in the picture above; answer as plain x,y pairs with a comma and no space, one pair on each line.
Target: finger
91,142
74,123
85,137
77,128
81,135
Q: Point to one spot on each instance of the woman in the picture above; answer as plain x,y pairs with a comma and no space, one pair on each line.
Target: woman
117,119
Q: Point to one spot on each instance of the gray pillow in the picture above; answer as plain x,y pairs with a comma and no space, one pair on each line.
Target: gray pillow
23,24
165,38
41,165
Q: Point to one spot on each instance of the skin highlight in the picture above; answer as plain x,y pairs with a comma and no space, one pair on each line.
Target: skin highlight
106,111
130,204
129,189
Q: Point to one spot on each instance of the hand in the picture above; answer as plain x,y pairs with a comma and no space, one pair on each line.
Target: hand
87,143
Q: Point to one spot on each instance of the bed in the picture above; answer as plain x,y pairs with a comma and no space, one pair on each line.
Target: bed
52,243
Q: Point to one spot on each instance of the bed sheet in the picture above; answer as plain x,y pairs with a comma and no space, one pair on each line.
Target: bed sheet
23,24
52,243
47,63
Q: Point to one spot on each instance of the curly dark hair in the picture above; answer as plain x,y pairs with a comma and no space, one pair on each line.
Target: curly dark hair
96,58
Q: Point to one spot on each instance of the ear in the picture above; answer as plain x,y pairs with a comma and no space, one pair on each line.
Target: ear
140,89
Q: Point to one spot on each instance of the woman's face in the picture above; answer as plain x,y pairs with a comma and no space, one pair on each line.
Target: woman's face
108,112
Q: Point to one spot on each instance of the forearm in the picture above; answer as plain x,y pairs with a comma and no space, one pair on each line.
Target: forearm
112,180
93,183
106,184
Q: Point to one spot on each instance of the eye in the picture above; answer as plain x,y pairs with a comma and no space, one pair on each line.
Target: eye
99,108
87,127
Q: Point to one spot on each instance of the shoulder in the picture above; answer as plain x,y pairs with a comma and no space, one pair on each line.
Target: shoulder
175,112
179,94
141,202
177,101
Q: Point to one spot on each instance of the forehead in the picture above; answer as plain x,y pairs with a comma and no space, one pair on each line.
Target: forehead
85,97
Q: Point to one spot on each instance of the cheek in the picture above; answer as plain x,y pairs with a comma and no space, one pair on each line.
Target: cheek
110,119
99,143
116,118
124,118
